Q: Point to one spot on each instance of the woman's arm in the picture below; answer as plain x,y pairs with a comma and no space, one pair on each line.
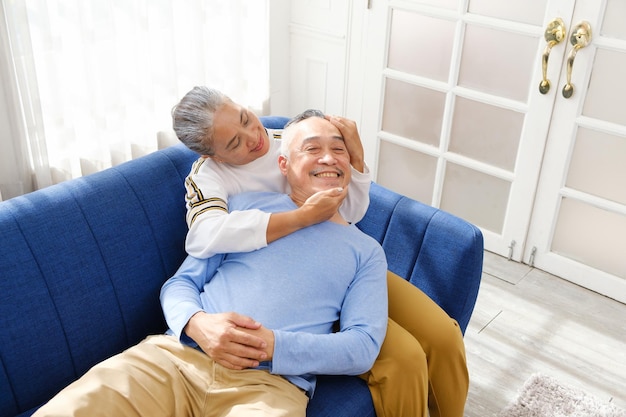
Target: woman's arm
212,229
358,199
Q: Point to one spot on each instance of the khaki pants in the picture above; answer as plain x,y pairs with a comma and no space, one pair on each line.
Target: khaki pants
421,367
161,377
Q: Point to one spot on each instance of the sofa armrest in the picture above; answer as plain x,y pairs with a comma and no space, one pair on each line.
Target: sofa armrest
436,251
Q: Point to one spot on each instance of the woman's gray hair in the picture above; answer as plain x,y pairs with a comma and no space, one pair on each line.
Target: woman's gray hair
192,118
287,136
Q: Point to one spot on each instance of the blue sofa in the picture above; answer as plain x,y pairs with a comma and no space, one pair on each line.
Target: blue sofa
82,264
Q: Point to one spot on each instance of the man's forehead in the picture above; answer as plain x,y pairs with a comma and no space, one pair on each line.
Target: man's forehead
316,127
316,138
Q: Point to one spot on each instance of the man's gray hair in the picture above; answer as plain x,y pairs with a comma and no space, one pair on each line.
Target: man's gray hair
287,136
193,117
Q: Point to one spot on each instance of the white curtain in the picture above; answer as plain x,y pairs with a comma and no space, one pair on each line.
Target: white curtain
97,79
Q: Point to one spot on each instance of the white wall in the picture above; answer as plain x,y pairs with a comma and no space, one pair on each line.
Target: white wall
327,56
280,12
318,32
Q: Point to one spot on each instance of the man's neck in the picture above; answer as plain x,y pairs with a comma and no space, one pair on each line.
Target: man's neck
336,218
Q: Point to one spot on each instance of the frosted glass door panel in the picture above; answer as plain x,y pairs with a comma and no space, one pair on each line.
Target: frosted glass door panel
488,195
597,166
498,62
607,81
444,4
413,112
406,171
486,133
413,48
527,11
598,241
613,25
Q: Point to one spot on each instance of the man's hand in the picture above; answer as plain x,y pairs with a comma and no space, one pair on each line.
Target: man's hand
351,137
230,339
265,334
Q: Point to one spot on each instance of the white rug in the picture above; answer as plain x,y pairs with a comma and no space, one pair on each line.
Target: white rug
543,396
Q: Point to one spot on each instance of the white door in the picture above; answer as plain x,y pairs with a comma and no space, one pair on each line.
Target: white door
578,229
454,105
453,101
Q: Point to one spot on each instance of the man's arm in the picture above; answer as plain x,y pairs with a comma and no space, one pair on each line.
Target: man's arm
180,295
221,336
353,349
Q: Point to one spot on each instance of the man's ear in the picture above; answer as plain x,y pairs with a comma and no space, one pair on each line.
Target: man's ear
282,164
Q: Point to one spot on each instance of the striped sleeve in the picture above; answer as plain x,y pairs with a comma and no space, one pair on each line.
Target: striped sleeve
196,202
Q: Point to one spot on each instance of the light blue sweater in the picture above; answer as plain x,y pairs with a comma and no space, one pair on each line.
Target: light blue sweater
298,286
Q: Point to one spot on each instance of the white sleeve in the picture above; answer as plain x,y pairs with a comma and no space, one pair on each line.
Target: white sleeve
358,199
212,229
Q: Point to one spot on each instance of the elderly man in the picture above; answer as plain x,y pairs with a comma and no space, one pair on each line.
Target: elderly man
297,288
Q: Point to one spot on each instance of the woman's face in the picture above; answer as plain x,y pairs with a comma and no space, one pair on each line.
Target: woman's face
238,135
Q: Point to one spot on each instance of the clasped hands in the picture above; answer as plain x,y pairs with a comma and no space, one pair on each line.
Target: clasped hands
233,340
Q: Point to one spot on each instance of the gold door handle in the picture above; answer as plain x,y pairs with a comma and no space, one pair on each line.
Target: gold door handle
555,32
580,37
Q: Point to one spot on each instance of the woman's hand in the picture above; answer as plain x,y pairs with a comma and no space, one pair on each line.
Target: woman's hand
351,137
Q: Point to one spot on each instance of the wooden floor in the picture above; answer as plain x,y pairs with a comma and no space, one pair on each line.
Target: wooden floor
527,321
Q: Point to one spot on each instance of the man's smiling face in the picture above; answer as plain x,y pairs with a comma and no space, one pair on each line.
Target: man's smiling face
317,158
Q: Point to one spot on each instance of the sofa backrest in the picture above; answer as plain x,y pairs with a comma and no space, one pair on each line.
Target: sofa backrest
81,267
